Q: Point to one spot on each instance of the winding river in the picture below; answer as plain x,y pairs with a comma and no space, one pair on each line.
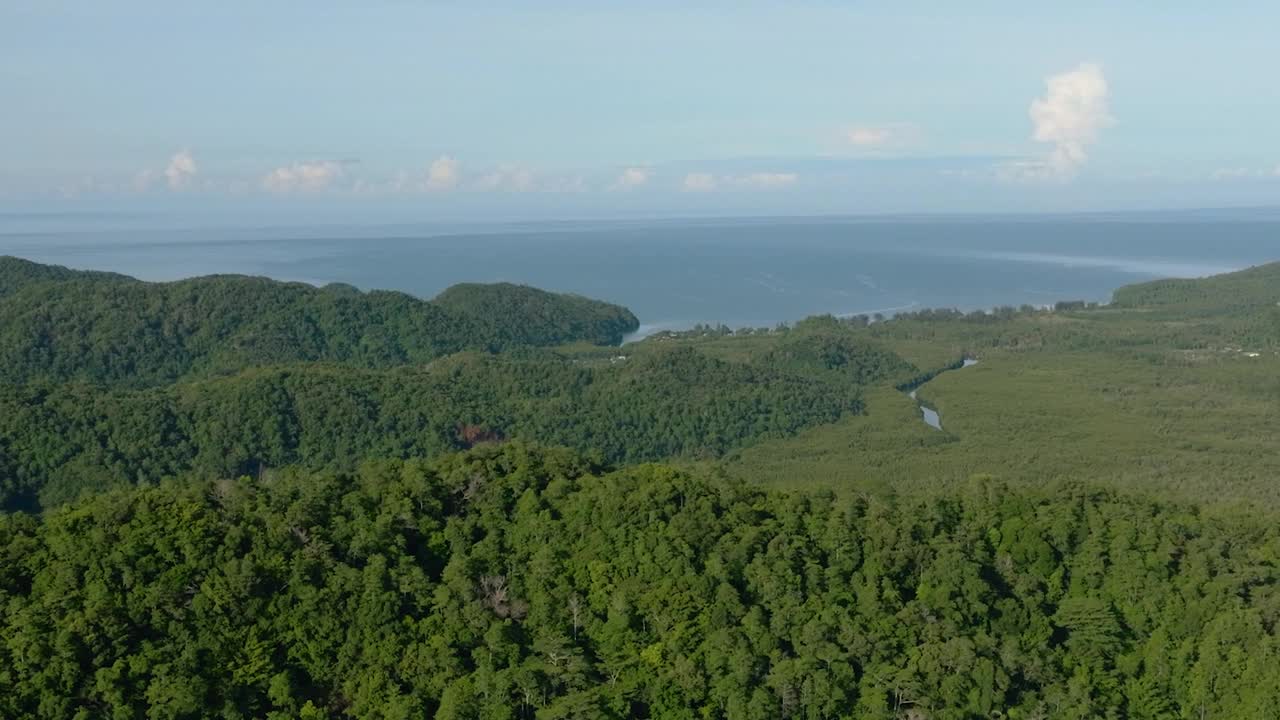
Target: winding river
931,416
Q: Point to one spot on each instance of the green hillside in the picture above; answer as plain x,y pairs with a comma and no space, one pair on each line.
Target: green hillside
16,273
233,497
512,582
531,316
1251,288
58,441
57,324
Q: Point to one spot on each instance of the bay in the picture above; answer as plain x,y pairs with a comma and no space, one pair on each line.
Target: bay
676,273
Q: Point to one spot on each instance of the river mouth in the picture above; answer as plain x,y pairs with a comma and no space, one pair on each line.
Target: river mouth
932,417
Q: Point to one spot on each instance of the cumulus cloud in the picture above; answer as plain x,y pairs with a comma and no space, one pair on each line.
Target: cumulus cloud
181,169
302,177
443,174
632,177
1072,112
178,174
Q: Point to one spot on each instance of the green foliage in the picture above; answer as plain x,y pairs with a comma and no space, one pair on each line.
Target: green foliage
359,567
822,344
530,316
62,440
58,325
513,582
1173,400
16,273
1251,288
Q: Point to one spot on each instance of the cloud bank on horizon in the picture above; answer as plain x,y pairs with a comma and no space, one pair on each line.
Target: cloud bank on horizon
305,177
1069,117
809,107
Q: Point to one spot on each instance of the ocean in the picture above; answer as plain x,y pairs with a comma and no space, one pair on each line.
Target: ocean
676,273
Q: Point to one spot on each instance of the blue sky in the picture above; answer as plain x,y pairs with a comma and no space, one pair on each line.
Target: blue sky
565,109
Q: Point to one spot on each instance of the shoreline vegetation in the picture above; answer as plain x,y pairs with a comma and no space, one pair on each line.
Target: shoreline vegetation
233,497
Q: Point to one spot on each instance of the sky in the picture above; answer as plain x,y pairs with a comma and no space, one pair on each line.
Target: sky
467,110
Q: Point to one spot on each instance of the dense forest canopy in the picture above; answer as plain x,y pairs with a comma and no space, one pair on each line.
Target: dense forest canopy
61,440
512,582
534,317
240,498
16,273
1253,287
57,324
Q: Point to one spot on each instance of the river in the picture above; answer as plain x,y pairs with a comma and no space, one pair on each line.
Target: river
931,416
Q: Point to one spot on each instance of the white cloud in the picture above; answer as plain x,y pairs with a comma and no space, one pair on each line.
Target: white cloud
1070,116
302,177
632,177
510,178
178,174
182,167
443,174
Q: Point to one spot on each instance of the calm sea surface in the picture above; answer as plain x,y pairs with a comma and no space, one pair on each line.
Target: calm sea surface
674,274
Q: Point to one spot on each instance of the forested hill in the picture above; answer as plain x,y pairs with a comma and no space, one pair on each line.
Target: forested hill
16,273
534,317
106,380
1254,287
57,442
517,583
57,324
255,509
